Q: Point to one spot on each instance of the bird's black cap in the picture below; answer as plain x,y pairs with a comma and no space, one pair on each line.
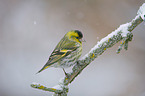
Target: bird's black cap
79,33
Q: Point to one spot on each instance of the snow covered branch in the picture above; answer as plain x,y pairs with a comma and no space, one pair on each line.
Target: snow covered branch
38,86
58,89
141,11
123,34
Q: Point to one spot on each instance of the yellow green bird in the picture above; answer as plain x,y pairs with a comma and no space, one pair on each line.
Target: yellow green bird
67,51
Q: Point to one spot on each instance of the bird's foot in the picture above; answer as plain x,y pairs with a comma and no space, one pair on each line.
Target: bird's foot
66,74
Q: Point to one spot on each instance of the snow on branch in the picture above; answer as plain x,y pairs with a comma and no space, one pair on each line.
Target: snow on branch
38,86
123,34
58,89
141,11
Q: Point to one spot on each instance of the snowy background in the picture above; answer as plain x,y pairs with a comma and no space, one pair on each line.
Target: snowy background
30,30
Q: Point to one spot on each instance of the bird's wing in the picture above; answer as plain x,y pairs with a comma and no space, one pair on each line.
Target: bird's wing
62,50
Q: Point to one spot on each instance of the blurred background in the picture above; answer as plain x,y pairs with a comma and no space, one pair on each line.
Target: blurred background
30,30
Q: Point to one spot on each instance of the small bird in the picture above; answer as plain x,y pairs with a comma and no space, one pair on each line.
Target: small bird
67,51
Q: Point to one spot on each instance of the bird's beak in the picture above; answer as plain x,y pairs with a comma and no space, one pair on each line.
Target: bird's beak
82,40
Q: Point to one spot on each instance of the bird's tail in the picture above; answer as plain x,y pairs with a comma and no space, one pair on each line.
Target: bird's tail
44,67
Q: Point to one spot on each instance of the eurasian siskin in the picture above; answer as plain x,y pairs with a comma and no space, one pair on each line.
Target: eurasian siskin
67,51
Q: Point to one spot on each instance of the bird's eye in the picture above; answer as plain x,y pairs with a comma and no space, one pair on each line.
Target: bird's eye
77,37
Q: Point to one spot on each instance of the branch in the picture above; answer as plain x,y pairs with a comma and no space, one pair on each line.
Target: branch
56,89
122,33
